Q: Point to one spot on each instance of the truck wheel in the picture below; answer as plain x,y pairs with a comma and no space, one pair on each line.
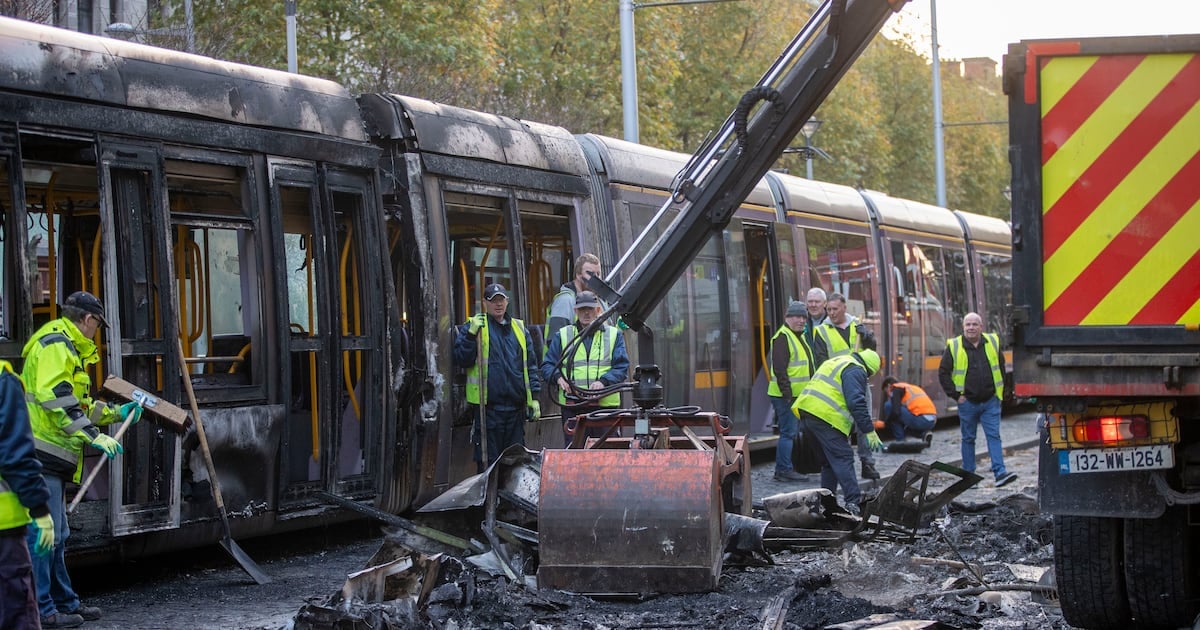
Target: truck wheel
1087,569
1160,569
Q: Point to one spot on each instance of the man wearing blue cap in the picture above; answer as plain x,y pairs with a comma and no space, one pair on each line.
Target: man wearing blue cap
502,376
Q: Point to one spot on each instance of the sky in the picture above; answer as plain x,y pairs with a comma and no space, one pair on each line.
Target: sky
984,28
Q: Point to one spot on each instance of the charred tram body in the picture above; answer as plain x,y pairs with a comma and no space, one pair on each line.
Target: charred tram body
312,252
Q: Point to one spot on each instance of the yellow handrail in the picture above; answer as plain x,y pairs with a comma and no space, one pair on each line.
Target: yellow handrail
343,263
314,419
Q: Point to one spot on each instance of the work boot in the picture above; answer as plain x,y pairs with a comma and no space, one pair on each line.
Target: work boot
928,437
89,613
62,620
869,472
787,475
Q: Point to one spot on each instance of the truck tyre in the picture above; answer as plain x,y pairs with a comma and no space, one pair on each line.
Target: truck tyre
1088,572
1160,570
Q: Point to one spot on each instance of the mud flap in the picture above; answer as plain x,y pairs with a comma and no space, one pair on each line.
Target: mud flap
630,521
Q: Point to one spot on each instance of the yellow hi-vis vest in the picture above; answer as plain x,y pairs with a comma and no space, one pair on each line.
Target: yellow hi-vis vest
477,373
589,364
834,343
991,343
12,513
798,371
823,396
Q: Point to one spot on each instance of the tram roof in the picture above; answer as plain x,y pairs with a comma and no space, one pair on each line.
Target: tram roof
465,133
914,215
640,165
58,62
985,229
819,198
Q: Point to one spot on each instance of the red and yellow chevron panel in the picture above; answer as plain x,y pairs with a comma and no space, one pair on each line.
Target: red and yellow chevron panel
1121,189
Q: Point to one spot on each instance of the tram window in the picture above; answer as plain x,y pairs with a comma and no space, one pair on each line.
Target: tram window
929,264
997,289
957,276
215,271
673,339
356,324
841,263
547,241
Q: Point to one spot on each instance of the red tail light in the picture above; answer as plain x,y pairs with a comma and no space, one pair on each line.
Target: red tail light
1111,430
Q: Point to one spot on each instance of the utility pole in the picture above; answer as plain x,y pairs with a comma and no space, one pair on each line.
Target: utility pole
289,7
939,145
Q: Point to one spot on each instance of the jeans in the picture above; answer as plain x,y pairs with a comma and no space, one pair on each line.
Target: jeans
54,591
788,427
838,465
917,425
970,416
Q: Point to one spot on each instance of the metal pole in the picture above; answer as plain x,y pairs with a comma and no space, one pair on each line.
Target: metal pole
939,147
290,7
629,97
190,24
807,158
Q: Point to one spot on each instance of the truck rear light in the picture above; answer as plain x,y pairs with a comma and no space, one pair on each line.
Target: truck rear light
1111,430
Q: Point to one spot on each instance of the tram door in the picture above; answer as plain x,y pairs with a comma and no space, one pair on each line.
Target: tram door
333,309
144,494
770,263
497,236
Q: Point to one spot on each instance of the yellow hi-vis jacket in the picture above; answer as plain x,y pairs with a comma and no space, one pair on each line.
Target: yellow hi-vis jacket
477,374
61,410
19,454
834,344
798,370
589,365
823,396
991,343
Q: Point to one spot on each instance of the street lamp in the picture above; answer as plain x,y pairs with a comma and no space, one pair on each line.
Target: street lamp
808,131
127,31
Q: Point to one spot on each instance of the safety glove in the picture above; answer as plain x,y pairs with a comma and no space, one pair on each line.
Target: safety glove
45,540
475,323
110,446
127,408
874,443
535,411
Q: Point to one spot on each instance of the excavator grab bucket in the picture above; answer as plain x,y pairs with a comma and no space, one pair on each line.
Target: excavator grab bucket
630,521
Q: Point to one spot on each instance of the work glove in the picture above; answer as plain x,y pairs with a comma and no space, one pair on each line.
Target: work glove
128,407
534,412
110,446
866,337
475,323
874,443
45,541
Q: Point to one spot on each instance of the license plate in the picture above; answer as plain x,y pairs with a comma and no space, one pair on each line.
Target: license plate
1116,459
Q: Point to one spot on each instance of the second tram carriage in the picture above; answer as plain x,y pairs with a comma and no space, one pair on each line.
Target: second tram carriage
312,252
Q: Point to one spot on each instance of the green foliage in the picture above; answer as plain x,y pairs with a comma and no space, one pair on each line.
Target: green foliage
558,62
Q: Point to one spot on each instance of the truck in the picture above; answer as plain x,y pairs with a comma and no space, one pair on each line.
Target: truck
1104,143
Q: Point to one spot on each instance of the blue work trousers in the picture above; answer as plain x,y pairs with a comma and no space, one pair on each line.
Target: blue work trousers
54,591
970,416
18,602
837,465
908,422
505,427
788,426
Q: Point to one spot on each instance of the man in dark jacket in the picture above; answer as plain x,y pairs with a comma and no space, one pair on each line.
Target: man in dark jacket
833,404
23,495
599,361
562,307
972,373
502,375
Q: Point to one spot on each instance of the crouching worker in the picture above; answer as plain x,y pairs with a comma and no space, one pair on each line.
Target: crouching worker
833,404
502,376
65,419
908,410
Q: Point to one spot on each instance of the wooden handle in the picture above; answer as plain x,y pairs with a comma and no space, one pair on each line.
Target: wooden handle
208,460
